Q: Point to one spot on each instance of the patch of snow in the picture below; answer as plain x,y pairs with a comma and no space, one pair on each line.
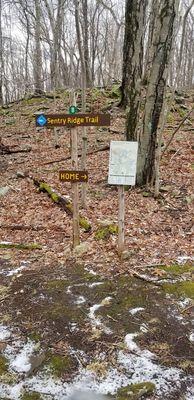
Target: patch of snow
184,303
97,321
4,332
80,300
90,271
144,328
191,337
14,271
73,326
20,361
139,367
131,345
94,284
183,259
134,311
5,242
190,394
69,291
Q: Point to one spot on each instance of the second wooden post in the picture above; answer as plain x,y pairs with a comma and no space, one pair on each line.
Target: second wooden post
75,188
121,219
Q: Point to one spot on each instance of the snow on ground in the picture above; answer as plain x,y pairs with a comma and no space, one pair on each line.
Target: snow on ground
184,259
133,365
19,355
95,321
80,300
11,272
134,311
5,332
191,337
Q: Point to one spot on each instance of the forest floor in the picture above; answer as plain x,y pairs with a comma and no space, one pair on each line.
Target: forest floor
85,318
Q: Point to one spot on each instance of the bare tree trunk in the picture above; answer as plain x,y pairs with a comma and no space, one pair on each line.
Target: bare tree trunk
38,54
133,62
85,43
180,56
157,76
162,42
1,57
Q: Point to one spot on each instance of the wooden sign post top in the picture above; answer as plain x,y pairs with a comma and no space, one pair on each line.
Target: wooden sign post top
71,121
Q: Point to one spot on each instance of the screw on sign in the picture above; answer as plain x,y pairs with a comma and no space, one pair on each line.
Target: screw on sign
73,110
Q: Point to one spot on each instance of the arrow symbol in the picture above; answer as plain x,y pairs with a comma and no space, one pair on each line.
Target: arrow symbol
84,176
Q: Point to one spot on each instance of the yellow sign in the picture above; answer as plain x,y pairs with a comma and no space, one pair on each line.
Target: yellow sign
73,176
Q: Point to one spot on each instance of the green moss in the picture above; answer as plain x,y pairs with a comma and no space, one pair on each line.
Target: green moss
55,197
177,269
96,93
36,337
3,291
33,101
84,224
105,232
182,112
60,365
3,365
124,296
135,391
115,91
113,229
170,118
8,378
31,396
102,233
66,313
57,284
185,288
21,246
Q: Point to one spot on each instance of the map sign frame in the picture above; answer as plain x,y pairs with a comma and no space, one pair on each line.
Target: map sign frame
122,163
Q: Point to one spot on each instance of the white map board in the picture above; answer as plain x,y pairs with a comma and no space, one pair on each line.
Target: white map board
122,163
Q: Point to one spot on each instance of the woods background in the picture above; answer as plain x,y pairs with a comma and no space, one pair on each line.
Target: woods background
46,45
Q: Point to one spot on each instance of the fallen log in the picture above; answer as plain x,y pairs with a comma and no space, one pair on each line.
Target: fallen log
63,202
31,227
20,246
6,150
103,148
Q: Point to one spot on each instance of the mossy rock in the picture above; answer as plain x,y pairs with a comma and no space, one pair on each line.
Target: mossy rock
136,391
106,231
31,396
3,365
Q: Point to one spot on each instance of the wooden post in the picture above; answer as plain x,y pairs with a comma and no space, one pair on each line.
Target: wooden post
121,235
75,188
83,166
